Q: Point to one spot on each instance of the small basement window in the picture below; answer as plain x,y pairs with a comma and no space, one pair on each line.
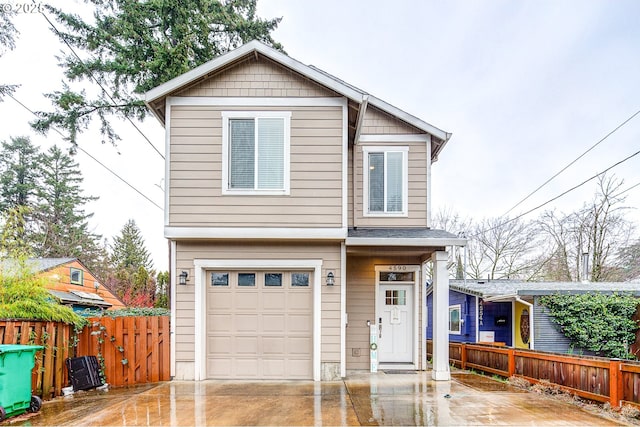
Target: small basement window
76,276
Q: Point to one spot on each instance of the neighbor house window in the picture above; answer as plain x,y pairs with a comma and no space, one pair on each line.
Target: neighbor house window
385,180
455,322
256,152
76,276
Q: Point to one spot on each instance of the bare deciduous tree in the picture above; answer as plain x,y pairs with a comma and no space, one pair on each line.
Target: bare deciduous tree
599,228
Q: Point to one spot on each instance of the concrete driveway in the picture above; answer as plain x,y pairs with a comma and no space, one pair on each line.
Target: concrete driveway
361,399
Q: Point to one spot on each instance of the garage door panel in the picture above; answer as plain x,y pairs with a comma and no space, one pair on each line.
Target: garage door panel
261,332
219,300
300,323
298,368
246,368
300,300
245,322
273,300
219,323
219,345
299,346
273,368
220,367
273,323
246,300
273,346
245,346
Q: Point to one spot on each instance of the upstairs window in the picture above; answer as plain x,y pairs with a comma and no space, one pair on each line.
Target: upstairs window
385,181
256,152
76,276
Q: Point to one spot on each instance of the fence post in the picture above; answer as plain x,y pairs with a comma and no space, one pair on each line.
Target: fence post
615,383
463,356
512,362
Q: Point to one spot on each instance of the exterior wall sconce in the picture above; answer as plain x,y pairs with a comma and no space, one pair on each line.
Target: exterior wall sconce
330,278
182,278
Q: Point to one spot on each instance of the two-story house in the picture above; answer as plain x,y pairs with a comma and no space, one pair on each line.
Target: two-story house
297,210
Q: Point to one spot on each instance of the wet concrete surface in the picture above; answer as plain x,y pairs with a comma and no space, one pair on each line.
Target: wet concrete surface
361,399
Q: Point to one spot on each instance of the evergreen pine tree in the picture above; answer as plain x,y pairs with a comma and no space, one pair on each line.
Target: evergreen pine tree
128,250
19,173
63,228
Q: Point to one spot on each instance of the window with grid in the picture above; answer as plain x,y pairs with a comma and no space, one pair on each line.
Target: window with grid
386,180
257,152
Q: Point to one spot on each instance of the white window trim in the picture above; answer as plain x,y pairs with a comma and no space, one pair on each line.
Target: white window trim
226,115
80,281
365,178
459,308
200,311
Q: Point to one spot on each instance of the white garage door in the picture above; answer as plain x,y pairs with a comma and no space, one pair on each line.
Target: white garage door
260,324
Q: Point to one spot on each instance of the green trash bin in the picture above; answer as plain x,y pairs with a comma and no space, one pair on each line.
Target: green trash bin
16,363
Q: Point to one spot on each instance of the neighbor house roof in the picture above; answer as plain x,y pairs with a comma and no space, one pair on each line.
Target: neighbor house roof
313,73
506,288
81,298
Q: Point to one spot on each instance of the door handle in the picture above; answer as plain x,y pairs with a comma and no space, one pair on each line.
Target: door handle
380,327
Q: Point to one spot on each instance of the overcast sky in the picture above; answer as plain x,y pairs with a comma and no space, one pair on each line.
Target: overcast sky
524,86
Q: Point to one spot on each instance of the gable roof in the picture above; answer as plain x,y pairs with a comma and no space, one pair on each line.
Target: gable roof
313,73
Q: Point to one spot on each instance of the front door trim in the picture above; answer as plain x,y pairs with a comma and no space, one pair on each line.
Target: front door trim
416,287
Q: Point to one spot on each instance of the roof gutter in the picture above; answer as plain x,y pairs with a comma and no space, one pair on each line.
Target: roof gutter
356,139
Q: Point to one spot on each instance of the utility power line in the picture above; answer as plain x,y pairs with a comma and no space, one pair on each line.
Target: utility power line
565,193
92,157
574,161
95,79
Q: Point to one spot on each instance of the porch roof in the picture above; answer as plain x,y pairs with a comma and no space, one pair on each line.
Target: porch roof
80,298
425,237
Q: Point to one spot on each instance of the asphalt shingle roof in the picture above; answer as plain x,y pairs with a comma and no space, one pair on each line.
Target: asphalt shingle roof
400,233
493,288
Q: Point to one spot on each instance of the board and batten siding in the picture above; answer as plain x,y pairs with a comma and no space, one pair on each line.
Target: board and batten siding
196,198
329,253
417,188
360,306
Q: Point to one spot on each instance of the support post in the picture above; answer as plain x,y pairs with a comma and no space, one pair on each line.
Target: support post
463,356
512,362
615,382
441,370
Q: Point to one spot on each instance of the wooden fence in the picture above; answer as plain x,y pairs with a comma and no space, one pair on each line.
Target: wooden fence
135,350
49,374
594,378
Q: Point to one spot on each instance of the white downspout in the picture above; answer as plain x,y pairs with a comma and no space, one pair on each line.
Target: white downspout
356,140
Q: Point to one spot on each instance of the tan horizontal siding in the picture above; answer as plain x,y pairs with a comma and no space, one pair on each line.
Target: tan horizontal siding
187,252
417,189
315,198
379,123
260,78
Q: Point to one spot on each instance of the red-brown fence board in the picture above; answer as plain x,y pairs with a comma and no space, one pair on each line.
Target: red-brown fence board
595,378
145,342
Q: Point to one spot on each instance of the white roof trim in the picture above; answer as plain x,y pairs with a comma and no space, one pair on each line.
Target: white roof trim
307,71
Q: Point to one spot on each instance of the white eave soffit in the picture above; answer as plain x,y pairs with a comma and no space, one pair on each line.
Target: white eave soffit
307,71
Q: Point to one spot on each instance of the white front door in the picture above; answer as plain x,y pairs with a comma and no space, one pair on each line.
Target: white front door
395,323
